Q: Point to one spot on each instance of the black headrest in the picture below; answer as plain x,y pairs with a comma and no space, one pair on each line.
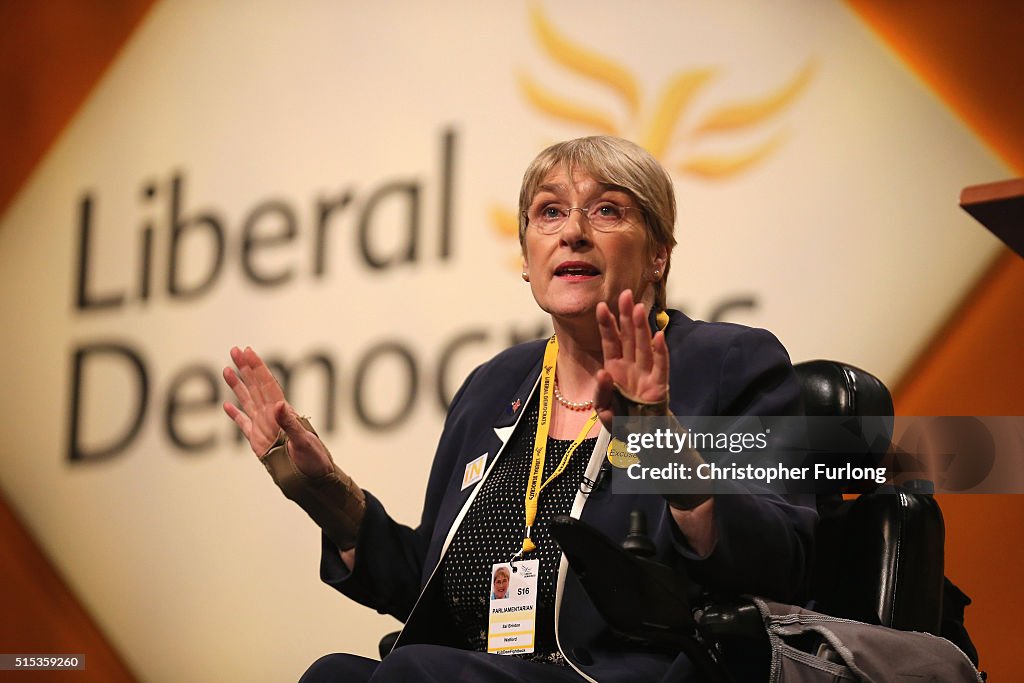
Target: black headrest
832,388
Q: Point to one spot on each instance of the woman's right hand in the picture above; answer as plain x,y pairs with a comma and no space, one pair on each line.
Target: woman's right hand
262,412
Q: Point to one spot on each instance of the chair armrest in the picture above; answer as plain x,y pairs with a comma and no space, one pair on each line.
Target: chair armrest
892,561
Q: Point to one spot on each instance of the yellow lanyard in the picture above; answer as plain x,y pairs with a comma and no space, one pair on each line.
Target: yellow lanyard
534,485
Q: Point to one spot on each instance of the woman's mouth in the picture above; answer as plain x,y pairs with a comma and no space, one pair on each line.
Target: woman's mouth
576,270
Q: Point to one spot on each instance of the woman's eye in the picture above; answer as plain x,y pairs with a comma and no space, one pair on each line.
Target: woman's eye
550,212
608,211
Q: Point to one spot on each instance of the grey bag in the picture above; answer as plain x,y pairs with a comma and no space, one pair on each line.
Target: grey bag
808,647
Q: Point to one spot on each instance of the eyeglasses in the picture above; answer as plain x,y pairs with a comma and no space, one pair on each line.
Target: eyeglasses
603,216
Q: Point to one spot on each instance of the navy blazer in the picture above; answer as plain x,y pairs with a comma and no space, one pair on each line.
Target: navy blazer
764,541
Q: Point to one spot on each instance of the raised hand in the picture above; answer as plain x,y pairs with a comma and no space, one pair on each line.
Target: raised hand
262,412
634,361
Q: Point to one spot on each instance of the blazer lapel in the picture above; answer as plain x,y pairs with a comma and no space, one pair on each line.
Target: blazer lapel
490,441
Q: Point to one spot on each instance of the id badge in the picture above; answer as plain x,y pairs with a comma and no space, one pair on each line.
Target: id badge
513,607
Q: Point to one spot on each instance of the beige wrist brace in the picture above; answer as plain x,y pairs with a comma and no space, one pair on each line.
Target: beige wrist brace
633,410
333,500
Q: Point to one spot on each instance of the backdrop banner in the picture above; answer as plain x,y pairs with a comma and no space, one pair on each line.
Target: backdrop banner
335,185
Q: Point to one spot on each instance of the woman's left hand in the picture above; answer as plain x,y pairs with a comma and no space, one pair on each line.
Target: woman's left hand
634,360
637,363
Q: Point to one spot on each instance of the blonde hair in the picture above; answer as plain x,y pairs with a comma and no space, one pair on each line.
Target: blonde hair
613,161
502,570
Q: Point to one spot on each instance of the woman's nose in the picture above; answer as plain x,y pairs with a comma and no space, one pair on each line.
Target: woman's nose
576,230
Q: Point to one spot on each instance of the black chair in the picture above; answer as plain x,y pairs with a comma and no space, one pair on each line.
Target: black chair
878,559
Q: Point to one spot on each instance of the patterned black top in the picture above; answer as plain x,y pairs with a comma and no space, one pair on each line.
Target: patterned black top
492,532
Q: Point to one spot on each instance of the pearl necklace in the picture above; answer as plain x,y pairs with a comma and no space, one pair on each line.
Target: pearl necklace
571,405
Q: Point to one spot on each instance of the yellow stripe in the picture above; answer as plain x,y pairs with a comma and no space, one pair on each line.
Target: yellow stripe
512,633
500,618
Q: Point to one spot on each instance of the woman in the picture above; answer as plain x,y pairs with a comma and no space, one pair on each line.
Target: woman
596,229
502,575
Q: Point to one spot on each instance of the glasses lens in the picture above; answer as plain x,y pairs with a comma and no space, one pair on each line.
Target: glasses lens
606,216
547,219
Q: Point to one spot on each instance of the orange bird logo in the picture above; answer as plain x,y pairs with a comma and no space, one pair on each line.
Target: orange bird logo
666,126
